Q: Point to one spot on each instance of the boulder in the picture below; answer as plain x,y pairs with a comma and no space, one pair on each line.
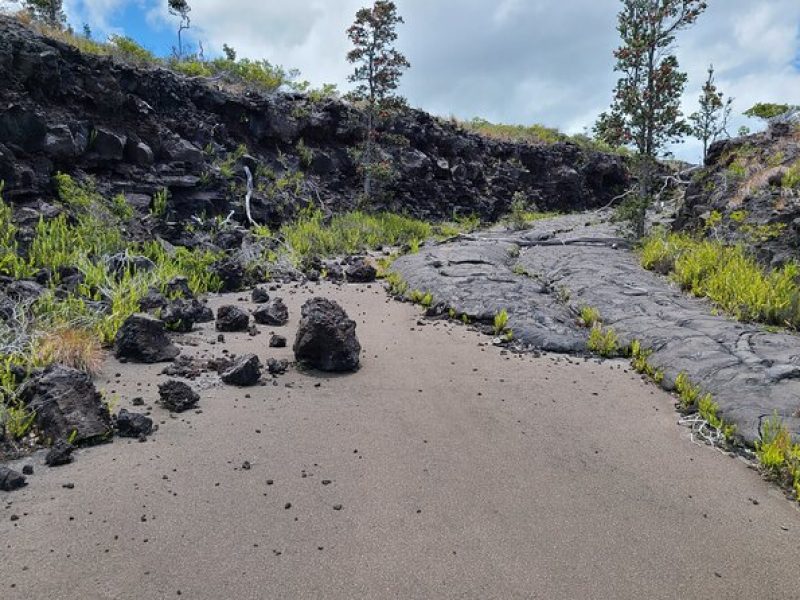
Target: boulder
273,313
326,337
133,425
60,454
232,318
11,480
67,405
106,144
231,273
245,371
360,271
143,339
177,396
121,263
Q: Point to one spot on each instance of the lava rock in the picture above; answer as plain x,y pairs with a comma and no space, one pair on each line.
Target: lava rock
177,396
181,315
67,405
277,367
122,263
143,339
277,341
11,480
326,337
273,313
231,273
232,318
60,454
260,295
178,287
133,425
360,271
244,372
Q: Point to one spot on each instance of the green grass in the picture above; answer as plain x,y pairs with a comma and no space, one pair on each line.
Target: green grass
500,322
589,316
604,341
791,179
779,455
728,276
350,233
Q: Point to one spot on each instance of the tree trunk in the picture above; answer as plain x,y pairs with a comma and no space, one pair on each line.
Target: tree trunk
368,155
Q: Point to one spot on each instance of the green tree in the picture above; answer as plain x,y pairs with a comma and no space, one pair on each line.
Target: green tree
49,11
711,120
180,9
767,110
646,112
378,68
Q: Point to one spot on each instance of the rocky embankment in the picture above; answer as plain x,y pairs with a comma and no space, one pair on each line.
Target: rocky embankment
141,129
749,193
544,276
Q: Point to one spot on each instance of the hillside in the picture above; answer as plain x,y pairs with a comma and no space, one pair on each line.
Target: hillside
140,129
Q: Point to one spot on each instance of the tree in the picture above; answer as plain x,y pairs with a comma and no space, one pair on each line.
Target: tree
180,9
711,120
49,11
379,67
767,111
646,113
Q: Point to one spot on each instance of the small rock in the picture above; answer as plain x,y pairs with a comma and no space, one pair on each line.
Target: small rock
231,318
60,454
277,341
143,338
326,337
133,425
27,470
176,396
246,371
273,313
10,479
260,295
277,367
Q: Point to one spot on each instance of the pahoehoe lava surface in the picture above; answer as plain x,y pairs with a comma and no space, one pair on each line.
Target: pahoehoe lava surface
443,468
750,371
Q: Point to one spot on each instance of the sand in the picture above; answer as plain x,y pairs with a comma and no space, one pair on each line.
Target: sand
444,468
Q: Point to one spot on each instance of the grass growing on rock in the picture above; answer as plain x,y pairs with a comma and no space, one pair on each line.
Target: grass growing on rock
728,276
778,455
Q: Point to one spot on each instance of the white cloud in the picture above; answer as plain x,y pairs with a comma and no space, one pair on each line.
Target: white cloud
516,61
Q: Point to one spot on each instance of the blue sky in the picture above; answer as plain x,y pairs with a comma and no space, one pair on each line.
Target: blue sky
515,61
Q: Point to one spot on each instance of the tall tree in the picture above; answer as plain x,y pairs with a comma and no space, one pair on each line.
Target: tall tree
49,11
646,113
379,66
711,120
180,9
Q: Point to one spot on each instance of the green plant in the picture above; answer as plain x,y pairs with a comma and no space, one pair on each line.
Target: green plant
427,300
129,49
778,455
500,322
688,393
603,341
590,316
158,206
791,178
305,153
17,421
709,410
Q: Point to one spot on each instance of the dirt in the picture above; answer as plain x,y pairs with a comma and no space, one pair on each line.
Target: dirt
443,468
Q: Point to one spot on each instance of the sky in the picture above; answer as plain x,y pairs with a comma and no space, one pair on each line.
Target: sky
510,61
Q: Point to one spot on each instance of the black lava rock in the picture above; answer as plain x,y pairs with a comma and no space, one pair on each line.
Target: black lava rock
326,337
11,480
143,338
245,371
133,425
232,318
177,396
360,271
60,454
274,313
277,341
260,295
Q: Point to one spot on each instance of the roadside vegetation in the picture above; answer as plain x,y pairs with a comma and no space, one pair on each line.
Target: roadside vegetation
728,276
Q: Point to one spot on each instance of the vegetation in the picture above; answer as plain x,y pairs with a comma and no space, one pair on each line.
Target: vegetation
767,110
500,322
778,454
349,233
378,68
590,316
791,179
646,111
604,341
728,276
521,215
711,120
180,9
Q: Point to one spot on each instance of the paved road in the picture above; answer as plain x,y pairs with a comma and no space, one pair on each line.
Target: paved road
460,471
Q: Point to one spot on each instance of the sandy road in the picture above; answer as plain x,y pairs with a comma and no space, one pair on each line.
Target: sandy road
442,469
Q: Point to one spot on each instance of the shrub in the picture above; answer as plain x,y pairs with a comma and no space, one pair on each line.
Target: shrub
128,48
778,455
159,203
791,179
